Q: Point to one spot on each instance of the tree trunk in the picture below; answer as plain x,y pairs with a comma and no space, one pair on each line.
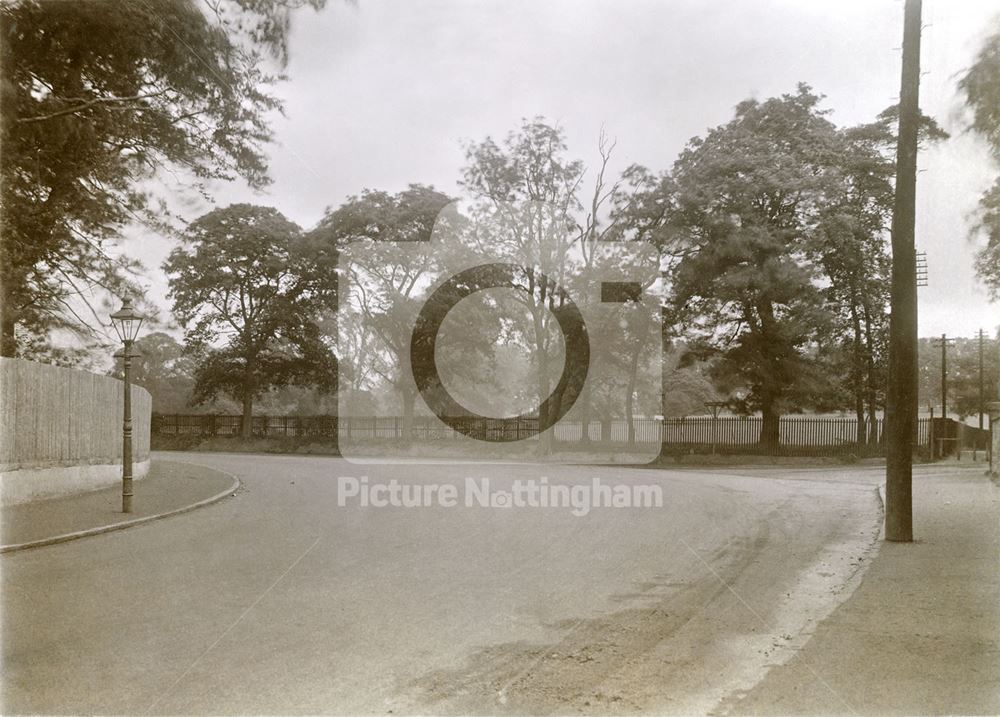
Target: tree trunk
8,320
543,387
769,392
871,379
859,415
630,397
770,427
8,342
409,397
246,429
249,386
857,369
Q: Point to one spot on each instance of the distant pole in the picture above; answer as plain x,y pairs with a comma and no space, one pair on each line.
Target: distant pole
982,384
943,343
944,375
901,408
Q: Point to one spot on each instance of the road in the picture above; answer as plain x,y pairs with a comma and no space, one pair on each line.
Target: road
281,601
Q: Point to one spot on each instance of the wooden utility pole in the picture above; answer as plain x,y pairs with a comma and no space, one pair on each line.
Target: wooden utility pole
943,343
901,408
944,376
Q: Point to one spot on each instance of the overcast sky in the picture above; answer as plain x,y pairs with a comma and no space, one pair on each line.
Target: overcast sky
384,93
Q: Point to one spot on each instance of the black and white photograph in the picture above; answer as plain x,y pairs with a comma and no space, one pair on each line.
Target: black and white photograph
500,357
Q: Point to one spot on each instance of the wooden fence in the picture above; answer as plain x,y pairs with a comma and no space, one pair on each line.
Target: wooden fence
726,434
56,416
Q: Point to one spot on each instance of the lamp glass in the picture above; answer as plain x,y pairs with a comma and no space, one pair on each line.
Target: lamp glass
126,322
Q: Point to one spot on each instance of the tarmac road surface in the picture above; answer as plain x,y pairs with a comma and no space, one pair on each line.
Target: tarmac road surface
281,601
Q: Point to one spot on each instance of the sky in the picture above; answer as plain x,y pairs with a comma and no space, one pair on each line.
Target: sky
384,93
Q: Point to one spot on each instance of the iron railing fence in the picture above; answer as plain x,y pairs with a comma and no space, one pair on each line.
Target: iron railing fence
797,435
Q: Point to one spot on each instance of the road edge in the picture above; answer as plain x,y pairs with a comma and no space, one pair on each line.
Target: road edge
125,524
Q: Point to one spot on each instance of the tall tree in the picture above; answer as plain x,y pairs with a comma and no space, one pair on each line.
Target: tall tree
746,196
245,289
981,88
382,242
96,97
850,242
535,210
525,189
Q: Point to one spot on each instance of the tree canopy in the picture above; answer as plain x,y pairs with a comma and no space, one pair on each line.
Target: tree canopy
381,243
96,97
980,87
746,201
244,288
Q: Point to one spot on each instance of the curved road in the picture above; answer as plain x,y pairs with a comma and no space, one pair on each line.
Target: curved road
279,600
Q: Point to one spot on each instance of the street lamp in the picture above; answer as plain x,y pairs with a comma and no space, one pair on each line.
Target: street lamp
126,322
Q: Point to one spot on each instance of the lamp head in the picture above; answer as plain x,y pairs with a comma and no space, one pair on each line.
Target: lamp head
127,322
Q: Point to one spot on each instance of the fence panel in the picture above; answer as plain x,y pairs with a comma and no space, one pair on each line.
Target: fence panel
55,416
696,434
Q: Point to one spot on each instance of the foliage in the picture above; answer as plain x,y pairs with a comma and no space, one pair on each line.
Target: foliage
382,242
981,88
163,369
524,188
244,279
531,210
963,374
96,97
850,243
745,199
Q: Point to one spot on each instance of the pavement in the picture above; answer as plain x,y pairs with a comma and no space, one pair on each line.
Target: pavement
753,591
168,489
921,634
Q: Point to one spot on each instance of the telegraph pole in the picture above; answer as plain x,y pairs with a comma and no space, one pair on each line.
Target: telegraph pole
901,408
943,343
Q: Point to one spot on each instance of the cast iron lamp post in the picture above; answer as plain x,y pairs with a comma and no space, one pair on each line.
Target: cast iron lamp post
126,322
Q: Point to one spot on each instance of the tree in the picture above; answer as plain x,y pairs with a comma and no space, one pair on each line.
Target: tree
963,374
850,242
163,369
963,367
97,97
244,278
745,197
525,188
981,87
687,386
386,238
